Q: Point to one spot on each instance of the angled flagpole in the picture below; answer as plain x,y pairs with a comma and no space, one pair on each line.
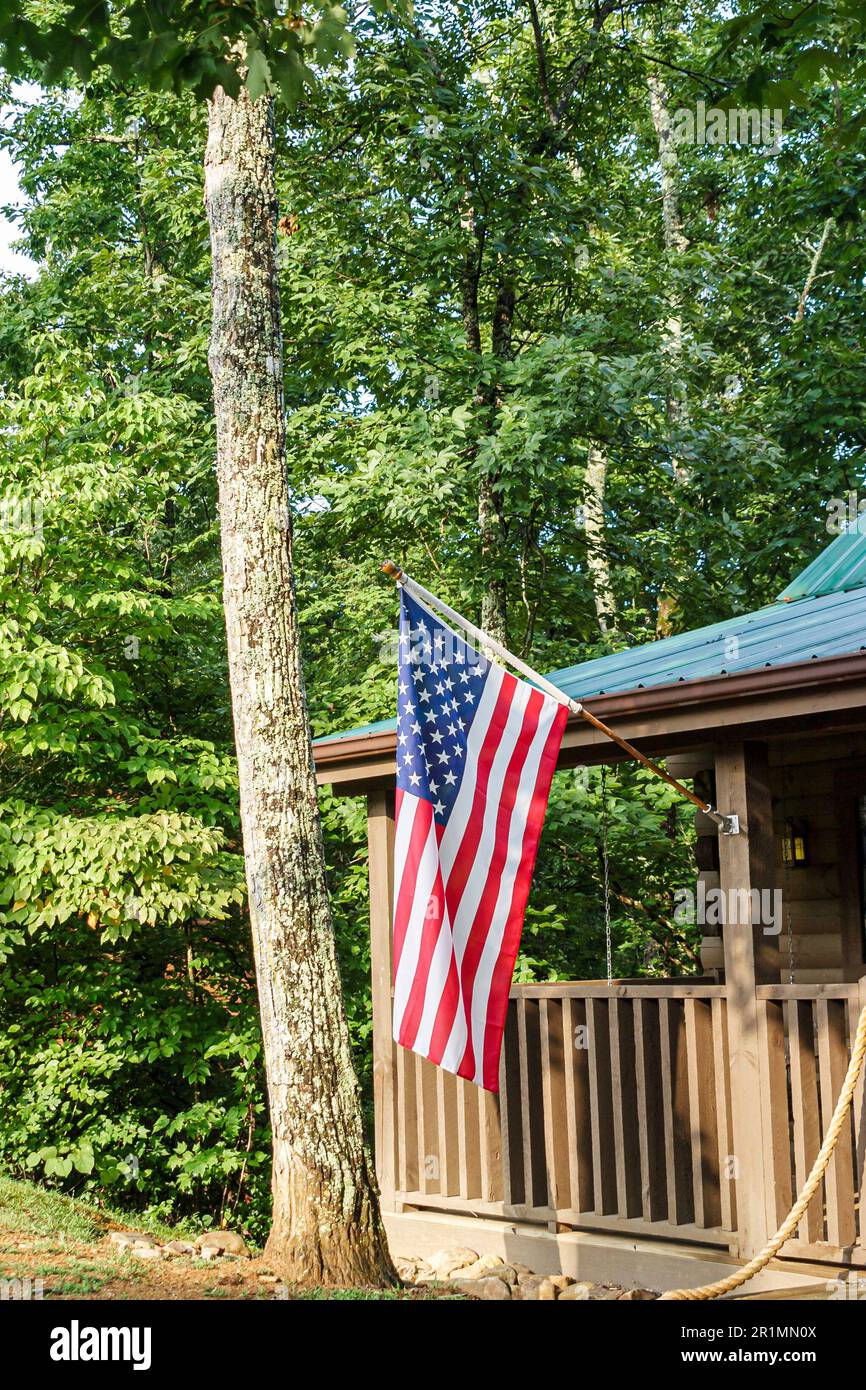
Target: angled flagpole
728,825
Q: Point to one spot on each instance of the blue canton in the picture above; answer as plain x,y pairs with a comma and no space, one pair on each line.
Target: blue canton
439,689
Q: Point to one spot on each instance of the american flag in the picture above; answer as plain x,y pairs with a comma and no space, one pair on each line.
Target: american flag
476,751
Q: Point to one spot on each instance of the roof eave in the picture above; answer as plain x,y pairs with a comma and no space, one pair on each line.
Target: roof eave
686,697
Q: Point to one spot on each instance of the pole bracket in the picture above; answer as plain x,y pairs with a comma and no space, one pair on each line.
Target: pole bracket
728,825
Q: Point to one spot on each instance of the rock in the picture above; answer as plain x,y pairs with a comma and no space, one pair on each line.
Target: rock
269,1279
635,1295
224,1242
488,1287
604,1293
445,1262
485,1264
547,1291
413,1271
145,1252
179,1247
576,1293
209,1252
560,1281
127,1238
528,1286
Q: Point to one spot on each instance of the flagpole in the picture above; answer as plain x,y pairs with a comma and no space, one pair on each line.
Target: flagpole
728,825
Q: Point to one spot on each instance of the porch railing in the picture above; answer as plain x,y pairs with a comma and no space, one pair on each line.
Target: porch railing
615,1113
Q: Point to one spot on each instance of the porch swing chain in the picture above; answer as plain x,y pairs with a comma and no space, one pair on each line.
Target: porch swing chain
786,882
606,870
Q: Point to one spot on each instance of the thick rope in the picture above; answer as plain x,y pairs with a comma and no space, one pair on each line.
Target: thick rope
810,1187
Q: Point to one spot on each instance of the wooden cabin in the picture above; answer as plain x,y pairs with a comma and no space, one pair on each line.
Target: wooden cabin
668,1145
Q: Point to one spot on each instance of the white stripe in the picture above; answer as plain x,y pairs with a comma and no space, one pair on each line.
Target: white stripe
513,859
402,839
424,881
437,979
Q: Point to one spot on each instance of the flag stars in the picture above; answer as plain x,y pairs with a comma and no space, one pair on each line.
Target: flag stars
436,702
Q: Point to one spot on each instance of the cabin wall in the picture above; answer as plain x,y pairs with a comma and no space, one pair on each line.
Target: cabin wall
815,779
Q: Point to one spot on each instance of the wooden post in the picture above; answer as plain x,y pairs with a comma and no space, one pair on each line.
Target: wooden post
380,845
747,861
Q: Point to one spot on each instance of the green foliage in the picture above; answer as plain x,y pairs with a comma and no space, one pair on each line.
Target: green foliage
172,44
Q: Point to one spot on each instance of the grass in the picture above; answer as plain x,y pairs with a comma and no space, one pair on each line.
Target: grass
57,1230
37,1211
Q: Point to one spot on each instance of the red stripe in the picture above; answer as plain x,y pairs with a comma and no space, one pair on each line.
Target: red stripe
408,878
434,917
465,856
487,904
497,1004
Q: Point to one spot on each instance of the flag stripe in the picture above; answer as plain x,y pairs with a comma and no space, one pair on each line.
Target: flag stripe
500,984
488,926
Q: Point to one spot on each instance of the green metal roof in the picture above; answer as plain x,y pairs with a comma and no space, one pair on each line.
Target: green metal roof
820,622
841,566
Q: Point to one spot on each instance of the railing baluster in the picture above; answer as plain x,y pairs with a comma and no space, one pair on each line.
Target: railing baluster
624,1102
651,1139
600,1107
577,1103
727,1184
556,1131
702,1113
675,1107
839,1179
804,1108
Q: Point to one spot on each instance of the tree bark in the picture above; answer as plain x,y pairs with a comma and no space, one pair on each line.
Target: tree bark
491,520
675,244
595,480
326,1225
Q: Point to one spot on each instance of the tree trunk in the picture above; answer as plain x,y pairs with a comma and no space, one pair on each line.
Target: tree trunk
675,245
491,521
326,1224
597,563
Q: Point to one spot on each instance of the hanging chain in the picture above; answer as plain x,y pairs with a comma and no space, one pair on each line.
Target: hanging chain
606,869
786,875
